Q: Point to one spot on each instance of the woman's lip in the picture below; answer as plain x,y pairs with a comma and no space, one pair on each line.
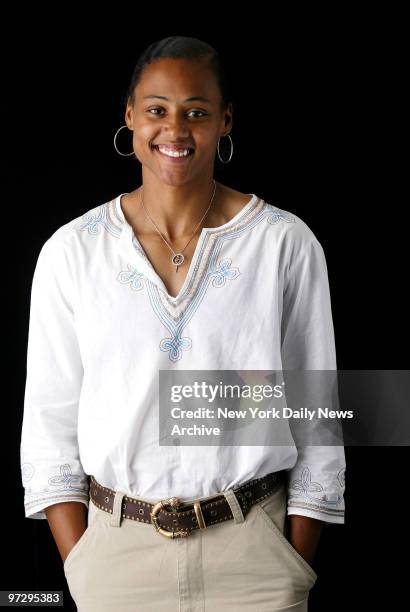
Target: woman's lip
177,160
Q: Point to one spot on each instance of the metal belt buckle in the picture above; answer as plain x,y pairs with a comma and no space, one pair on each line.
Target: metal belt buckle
175,503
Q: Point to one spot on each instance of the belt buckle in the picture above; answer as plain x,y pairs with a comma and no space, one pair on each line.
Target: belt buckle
174,502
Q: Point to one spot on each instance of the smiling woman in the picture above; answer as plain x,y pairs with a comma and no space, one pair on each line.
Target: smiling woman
183,273
178,109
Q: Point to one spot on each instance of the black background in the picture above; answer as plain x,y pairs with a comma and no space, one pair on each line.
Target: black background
318,130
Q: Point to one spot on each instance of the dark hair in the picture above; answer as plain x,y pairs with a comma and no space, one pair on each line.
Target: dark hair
181,47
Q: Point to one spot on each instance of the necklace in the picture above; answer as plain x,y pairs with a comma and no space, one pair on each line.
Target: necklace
178,258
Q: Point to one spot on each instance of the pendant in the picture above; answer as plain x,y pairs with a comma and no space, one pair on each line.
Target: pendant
178,259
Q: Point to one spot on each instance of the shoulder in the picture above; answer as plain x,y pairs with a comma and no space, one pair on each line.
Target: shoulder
293,230
296,245
75,233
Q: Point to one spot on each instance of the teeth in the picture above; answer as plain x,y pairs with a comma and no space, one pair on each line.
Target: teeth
166,151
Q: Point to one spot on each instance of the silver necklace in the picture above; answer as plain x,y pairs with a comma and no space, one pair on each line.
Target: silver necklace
178,258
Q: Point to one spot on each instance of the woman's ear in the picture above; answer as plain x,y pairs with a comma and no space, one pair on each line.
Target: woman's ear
228,120
129,116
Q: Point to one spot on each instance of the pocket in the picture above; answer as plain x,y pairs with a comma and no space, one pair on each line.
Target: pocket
79,545
285,544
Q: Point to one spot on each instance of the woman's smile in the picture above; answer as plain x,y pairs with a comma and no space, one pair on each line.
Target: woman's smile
173,157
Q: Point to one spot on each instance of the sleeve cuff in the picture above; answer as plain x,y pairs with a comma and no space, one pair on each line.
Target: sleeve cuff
327,515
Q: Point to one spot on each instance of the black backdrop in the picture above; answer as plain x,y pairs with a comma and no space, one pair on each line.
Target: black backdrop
318,130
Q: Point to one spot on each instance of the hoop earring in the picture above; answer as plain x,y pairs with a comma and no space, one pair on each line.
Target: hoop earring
115,144
230,157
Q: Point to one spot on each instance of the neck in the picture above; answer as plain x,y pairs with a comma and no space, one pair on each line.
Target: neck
176,210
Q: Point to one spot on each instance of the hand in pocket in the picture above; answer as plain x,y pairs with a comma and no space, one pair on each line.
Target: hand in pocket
71,546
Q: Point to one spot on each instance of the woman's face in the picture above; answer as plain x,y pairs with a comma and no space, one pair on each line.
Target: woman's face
163,114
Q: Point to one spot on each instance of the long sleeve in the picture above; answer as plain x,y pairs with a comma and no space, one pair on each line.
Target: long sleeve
51,469
317,481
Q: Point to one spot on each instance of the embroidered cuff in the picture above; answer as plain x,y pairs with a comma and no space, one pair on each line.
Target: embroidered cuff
320,497
322,513
46,484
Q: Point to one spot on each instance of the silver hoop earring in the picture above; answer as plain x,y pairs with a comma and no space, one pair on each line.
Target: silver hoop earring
115,144
230,157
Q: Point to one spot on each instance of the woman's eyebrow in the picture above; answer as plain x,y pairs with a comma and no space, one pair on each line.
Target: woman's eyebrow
198,98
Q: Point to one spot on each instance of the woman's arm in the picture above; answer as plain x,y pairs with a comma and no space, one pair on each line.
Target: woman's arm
304,535
68,521
51,468
316,481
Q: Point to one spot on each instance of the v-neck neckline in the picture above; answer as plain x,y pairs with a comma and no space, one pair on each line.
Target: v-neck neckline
134,246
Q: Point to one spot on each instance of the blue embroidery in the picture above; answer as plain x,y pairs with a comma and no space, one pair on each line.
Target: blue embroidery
97,219
176,343
131,276
224,272
66,480
175,346
304,486
279,215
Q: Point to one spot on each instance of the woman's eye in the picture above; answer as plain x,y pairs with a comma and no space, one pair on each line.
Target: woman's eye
156,109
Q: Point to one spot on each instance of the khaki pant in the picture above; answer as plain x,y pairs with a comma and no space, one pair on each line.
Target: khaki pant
121,565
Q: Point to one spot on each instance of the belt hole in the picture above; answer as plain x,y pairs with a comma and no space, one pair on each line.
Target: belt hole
263,485
124,505
194,519
175,521
106,499
248,493
213,512
141,510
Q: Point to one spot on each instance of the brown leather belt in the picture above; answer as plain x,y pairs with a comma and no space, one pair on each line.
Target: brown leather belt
174,518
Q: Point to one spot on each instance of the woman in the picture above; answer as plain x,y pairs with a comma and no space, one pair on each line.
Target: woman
183,273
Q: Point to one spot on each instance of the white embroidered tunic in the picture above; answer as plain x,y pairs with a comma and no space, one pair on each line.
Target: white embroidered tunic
102,325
